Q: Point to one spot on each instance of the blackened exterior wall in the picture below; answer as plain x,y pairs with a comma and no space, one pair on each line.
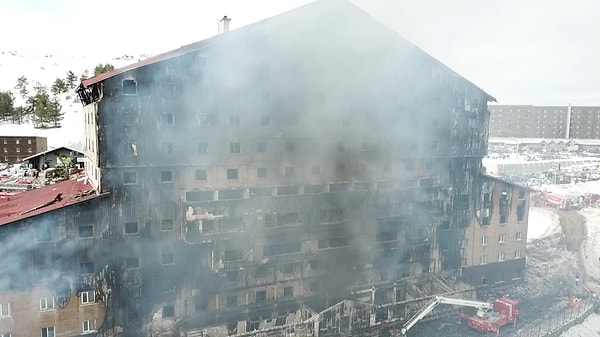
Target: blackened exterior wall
263,170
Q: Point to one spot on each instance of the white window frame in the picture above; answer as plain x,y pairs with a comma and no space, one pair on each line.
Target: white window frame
483,259
501,256
484,240
50,331
86,326
519,236
502,238
5,309
87,297
518,254
47,303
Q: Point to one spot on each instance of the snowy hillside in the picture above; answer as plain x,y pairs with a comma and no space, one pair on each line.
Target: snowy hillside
45,70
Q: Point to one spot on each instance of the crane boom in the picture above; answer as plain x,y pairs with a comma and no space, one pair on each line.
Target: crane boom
481,307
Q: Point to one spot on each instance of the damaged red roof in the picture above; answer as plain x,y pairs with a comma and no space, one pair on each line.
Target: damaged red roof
27,204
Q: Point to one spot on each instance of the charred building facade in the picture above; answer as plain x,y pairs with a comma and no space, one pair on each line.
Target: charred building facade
260,176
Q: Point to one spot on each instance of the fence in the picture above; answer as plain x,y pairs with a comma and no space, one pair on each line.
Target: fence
555,324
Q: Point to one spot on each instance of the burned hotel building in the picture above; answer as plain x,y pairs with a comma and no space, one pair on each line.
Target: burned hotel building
275,175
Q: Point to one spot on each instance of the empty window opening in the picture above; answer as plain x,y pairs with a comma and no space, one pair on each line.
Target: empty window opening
261,172
131,228
288,292
234,148
200,175
233,255
265,120
86,231
289,171
234,121
202,147
289,146
168,311
130,178
132,262
166,225
129,87
232,174
86,267
167,119
167,258
166,176
261,296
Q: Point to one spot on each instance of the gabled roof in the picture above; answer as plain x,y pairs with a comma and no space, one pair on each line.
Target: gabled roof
324,8
19,206
51,150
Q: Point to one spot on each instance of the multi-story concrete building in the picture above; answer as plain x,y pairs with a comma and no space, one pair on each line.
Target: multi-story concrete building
260,171
15,148
529,121
51,251
495,241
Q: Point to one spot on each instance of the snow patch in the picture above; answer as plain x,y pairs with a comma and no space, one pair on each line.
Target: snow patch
589,328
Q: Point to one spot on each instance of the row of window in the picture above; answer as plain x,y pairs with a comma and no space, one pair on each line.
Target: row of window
260,296
131,178
17,141
501,257
17,150
501,239
49,303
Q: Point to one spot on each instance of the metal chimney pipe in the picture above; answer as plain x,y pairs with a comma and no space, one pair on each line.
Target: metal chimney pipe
225,20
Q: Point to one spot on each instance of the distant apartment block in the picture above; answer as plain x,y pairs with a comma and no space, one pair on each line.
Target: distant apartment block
529,121
16,148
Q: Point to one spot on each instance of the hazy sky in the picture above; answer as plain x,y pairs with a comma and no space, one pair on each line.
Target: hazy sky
542,52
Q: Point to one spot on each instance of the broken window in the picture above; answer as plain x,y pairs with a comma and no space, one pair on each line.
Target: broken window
315,170
232,276
339,242
131,228
43,233
198,196
166,176
168,311
232,174
265,120
282,249
521,194
86,267
501,238
166,225
289,171
289,146
129,87
202,147
503,218
167,258
132,262
329,216
261,272
130,178
206,119
288,268
167,119
234,147
261,296
86,231
261,147
233,255
313,287
231,301
261,172
288,292
234,121
521,211
200,174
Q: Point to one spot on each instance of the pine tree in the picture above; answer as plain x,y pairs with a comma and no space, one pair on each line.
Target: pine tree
71,80
7,108
22,84
101,69
45,111
84,75
59,87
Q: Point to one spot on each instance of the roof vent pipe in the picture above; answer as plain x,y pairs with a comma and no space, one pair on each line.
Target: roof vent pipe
225,23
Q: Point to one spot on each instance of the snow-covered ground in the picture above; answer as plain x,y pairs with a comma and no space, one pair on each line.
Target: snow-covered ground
543,222
589,328
45,70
